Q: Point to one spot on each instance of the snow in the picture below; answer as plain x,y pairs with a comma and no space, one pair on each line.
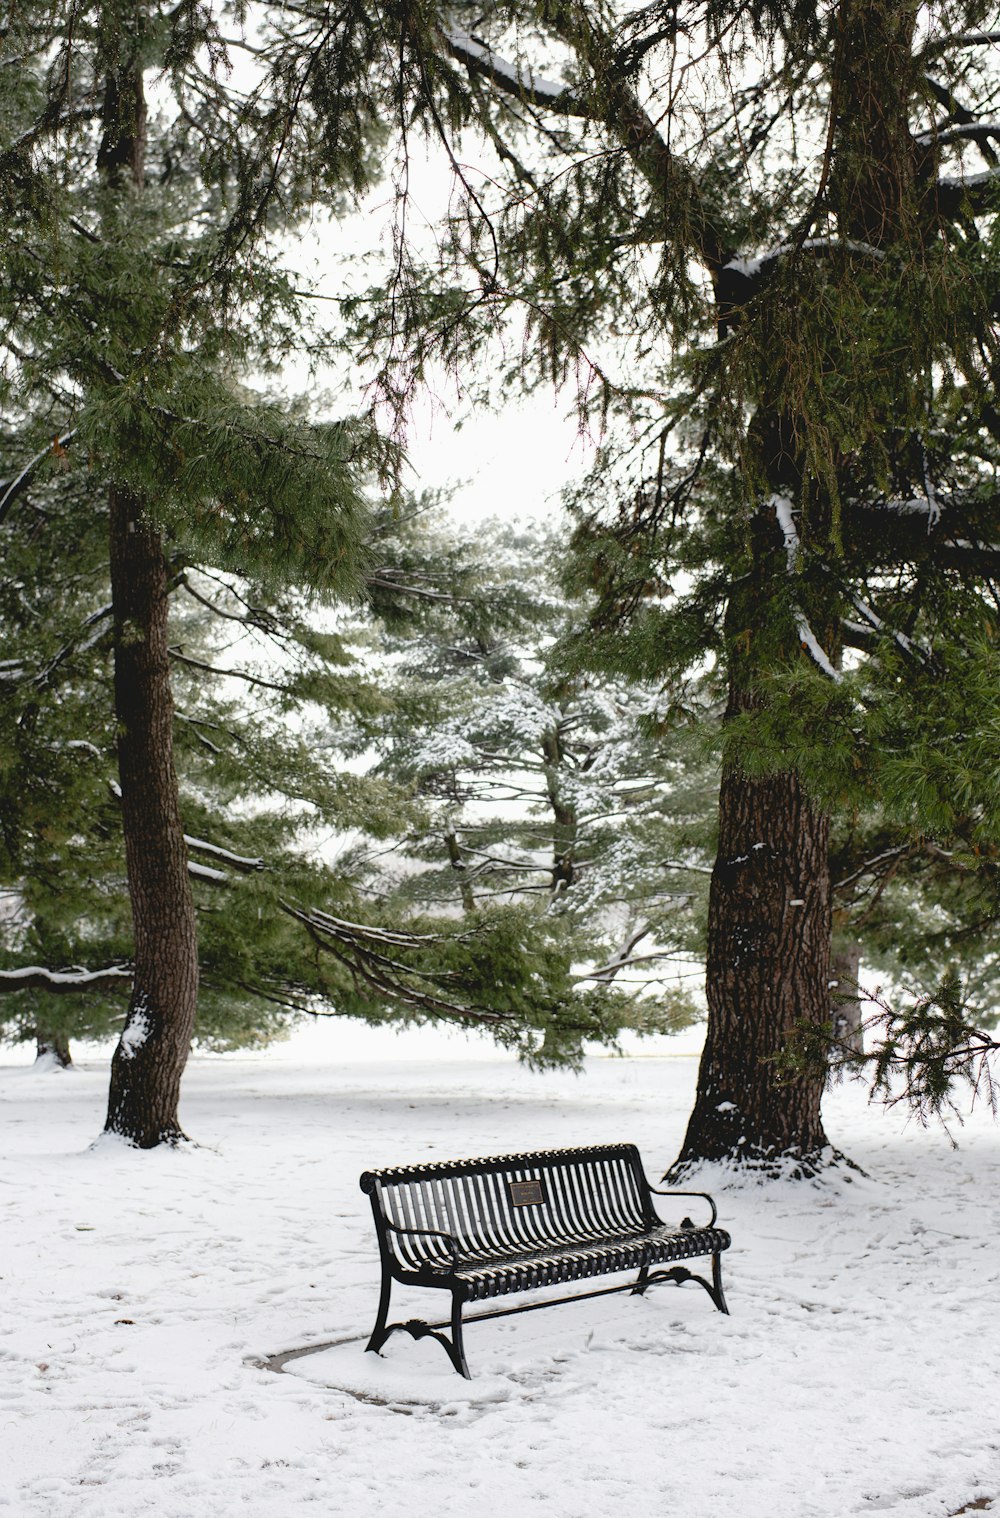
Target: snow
136,1031
75,977
242,861
11,487
969,181
783,511
751,264
541,91
816,650
143,1293
206,871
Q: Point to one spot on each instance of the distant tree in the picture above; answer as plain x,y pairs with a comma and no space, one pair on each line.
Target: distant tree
556,790
595,796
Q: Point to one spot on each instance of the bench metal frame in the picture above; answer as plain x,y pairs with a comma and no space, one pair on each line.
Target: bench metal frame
449,1331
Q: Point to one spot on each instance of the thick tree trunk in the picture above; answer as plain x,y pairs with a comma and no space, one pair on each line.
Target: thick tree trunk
770,920
53,1048
152,1051
151,1054
768,970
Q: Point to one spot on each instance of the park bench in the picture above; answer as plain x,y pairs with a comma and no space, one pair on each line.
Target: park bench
486,1228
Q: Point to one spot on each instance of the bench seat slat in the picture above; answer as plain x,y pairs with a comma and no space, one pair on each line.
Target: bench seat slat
577,1262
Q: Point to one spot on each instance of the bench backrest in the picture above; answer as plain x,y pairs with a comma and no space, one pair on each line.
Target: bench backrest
510,1203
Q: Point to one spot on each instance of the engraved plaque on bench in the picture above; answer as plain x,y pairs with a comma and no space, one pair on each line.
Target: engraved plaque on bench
526,1193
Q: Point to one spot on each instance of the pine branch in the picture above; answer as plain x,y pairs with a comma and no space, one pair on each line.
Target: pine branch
479,58
619,110
384,975
241,862
175,652
11,489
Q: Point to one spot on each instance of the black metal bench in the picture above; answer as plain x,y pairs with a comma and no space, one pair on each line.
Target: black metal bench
488,1227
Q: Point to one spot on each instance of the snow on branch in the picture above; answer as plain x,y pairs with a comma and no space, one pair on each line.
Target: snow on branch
956,192
973,131
79,643
206,872
480,58
11,489
783,511
177,652
930,506
407,984
876,623
622,956
365,930
752,265
871,866
238,861
679,864
38,978
606,972
974,38
813,647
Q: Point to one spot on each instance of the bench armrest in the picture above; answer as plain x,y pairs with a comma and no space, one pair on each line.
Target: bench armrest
715,1211
428,1233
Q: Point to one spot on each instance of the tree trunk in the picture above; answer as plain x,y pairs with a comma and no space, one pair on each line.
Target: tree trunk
768,970
151,1054
458,864
152,1051
770,919
564,819
53,1048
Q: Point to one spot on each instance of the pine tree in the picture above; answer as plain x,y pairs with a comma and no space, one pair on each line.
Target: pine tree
269,710
769,218
545,787
125,313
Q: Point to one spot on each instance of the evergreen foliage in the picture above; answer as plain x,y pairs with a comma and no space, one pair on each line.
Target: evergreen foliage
760,241
548,789
762,245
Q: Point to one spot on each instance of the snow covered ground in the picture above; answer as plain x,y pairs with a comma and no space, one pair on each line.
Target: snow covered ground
858,1372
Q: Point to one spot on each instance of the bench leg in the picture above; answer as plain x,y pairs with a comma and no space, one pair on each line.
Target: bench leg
380,1333
456,1349
679,1274
418,1329
717,1294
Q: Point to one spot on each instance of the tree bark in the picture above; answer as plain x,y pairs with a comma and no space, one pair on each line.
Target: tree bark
767,972
151,1054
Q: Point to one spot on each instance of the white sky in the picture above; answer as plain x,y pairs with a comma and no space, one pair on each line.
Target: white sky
509,461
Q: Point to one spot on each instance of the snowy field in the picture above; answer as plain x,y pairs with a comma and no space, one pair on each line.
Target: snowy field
858,1372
